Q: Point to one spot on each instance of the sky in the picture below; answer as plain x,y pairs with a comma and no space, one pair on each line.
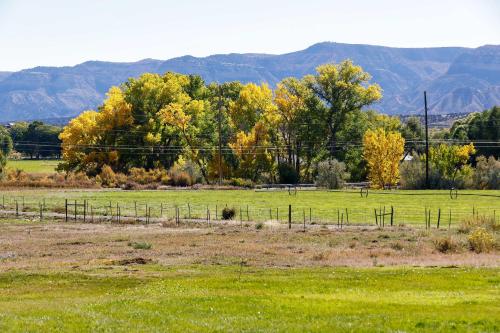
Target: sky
68,32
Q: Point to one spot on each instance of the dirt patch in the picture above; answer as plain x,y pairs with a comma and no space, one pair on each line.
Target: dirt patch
132,261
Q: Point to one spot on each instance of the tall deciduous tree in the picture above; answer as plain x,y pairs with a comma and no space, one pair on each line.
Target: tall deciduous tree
383,151
250,149
343,88
79,138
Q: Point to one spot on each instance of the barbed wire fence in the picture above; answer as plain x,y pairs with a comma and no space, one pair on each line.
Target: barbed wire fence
98,210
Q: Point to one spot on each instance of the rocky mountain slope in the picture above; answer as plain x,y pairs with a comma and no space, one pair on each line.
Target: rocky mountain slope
457,79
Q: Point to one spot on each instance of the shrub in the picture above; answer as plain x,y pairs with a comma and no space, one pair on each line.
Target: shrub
412,174
239,182
287,174
331,174
18,178
228,213
185,167
145,177
487,173
445,245
140,245
398,246
107,176
259,225
181,178
481,240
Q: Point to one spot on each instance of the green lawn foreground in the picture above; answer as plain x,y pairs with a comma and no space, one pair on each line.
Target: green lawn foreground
218,298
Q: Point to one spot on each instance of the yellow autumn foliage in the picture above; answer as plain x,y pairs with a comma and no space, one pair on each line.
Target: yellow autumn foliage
383,152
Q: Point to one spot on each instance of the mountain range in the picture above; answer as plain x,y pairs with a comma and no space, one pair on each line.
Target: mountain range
457,79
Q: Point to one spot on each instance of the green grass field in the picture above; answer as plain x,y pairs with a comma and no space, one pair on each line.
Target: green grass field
33,166
324,206
211,298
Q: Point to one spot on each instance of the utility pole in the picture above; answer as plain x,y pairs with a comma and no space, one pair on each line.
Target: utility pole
426,144
220,137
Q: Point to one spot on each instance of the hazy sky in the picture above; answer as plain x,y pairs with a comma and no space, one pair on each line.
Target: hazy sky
67,32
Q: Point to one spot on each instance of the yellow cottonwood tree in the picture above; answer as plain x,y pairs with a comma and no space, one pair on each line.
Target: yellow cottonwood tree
383,152
253,104
79,135
115,112
90,140
250,149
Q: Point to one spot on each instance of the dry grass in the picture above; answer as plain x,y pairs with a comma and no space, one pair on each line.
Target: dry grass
37,246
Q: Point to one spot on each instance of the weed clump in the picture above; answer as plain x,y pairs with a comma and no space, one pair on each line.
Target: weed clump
397,246
140,245
480,240
445,245
228,213
478,221
259,226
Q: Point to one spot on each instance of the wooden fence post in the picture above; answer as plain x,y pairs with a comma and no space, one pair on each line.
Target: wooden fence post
376,219
289,216
392,216
41,212
439,217
17,209
75,210
178,215
383,219
304,213
66,209
241,217
84,211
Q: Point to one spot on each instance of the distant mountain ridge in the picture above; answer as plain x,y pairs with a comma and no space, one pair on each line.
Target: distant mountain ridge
457,79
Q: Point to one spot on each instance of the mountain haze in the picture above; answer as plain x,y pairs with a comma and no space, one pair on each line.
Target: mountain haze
457,79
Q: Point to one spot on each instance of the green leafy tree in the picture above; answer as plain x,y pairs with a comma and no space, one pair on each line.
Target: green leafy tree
451,161
344,88
297,127
477,127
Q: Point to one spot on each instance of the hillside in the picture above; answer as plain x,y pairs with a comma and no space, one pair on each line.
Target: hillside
457,79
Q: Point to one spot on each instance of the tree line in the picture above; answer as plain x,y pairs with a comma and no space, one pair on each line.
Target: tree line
264,135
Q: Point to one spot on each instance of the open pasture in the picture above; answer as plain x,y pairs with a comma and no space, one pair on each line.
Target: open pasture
315,207
34,166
